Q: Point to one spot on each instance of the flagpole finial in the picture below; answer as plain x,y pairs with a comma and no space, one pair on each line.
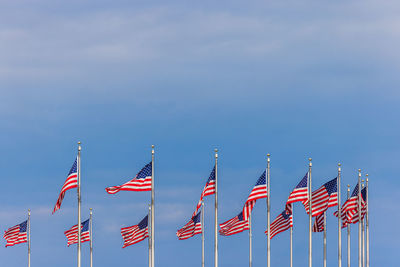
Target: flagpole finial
367,177
310,163
91,210
348,187
29,211
216,153
79,145
152,149
339,166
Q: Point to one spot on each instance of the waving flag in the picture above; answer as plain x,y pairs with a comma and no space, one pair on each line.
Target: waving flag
16,234
235,225
209,189
192,228
352,215
323,198
136,233
72,234
71,182
141,182
282,223
259,191
318,223
299,193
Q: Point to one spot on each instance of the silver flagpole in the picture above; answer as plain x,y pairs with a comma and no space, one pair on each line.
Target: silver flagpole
79,204
367,222
310,215
291,240
152,206
348,232
359,217
324,239
202,234
363,235
91,237
339,218
268,211
216,211
250,241
149,227
29,238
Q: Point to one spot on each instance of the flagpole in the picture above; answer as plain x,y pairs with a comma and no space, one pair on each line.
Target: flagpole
339,218
149,227
216,211
268,211
152,205
91,237
363,235
359,217
250,243
291,240
310,215
29,238
202,234
367,221
348,232
79,204
324,239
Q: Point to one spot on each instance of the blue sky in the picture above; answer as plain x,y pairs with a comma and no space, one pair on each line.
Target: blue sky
296,79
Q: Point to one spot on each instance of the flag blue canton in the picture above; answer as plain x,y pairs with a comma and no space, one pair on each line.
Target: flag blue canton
22,227
240,216
196,218
331,186
262,179
285,215
364,193
143,223
212,176
355,191
303,182
73,168
85,226
145,172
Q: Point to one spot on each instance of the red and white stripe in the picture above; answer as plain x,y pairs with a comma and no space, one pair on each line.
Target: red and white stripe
13,236
318,223
209,189
190,229
321,201
279,225
142,184
258,192
72,235
71,182
133,235
233,226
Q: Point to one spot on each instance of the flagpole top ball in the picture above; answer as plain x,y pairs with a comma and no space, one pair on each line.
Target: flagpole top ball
310,159
79,145
216,150
152,146
339,164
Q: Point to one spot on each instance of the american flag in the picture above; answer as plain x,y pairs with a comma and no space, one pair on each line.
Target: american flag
349,210
141,182
259,191
235,225
209,189
318,223
323,198
72,234
282,223
299,193
16,234
352,215
192,228
71,182
136,233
